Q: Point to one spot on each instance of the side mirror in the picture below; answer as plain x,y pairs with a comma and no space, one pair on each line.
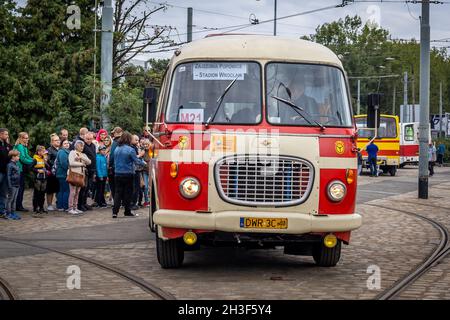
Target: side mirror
373,110
149,110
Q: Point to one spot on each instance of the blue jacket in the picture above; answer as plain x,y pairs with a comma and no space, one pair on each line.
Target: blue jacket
62,163
13,174
124,160
372,150
102,166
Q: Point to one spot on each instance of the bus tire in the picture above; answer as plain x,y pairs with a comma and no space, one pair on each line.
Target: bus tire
327,257
393,170
170,253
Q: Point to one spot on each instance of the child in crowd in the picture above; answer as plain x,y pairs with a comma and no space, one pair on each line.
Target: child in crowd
13,178
102,175
40,180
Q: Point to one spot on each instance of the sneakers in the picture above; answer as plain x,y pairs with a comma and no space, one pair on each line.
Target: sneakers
114,215
51,208
61,210
131,214
146,204
12,216
134,207
79,211
74,212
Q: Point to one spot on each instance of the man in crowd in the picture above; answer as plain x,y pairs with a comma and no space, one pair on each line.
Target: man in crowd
372,151
64,134
91,152
5,147
116,133
80,136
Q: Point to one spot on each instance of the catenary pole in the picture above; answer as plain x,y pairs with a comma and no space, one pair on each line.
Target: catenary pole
440,109
189,24
106,60
358,101
424,99
405,98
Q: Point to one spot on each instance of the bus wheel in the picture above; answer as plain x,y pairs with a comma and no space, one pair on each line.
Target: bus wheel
392,170
327,257
170,252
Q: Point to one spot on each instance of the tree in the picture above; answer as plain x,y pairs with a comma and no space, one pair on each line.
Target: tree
368,50
133,33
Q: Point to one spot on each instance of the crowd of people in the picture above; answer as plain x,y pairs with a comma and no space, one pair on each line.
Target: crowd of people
65,174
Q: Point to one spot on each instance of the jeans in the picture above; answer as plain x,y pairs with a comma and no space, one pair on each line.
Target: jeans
373,166
84,192
63,194
100,185
11,200
122,195
3,192
73,196
145,175
19,200
431,167
136,187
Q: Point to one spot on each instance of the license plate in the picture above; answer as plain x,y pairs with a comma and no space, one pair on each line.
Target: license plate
264,223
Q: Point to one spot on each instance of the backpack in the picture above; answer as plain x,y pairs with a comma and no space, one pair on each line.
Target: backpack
54,167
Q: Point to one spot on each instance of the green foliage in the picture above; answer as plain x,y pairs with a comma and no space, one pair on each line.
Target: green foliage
364,49
126,101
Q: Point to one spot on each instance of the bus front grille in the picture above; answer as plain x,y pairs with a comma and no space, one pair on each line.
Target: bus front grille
255,180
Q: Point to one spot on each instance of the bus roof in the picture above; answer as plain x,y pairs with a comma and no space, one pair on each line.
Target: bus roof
259,47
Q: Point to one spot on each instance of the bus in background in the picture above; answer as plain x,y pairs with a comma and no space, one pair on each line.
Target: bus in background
387,140
409,143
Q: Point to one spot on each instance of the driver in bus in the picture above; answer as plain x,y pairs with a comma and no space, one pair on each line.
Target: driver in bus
300,99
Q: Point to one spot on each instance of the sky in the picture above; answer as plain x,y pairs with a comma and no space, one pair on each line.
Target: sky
400,18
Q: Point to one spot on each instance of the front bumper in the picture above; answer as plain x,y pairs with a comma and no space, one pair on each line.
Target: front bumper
229,221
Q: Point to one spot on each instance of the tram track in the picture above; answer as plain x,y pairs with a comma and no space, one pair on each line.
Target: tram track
144,285
440,252
6,291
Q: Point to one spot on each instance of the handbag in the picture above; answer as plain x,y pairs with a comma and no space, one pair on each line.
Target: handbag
76,179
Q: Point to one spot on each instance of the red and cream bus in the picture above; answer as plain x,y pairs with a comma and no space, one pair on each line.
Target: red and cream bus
254,147
409,143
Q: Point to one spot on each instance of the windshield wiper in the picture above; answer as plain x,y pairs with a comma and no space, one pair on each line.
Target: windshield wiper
219,101
299,110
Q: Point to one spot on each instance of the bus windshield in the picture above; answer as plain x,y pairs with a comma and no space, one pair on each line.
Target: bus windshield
319,90
388,128
199,93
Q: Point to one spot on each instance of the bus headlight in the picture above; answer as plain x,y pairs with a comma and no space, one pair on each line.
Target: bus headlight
336,191
190,188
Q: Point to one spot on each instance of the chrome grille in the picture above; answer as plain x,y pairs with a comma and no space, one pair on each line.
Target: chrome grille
255,180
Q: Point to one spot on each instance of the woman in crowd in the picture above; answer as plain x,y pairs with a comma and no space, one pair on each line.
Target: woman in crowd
52,181
25,159
145,173
62,161
125,159
77,163
100,138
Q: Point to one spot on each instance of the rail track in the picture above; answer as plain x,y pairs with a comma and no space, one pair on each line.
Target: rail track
440,252
144,285
6,291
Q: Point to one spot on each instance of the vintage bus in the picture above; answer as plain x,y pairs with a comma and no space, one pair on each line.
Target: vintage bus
409,143
254,147
387,140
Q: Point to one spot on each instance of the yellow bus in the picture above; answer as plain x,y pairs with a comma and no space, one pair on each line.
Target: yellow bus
387,141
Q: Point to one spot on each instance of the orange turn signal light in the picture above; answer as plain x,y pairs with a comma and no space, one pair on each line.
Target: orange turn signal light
173,169
350,175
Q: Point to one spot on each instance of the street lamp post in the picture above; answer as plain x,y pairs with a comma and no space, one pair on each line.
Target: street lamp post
275,18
